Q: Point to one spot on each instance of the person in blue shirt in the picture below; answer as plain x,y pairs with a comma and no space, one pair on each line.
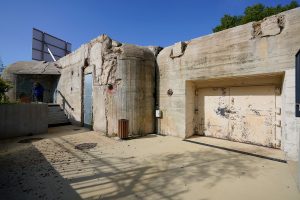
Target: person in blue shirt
38,92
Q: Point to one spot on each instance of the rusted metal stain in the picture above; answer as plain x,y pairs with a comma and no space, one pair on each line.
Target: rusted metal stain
244,114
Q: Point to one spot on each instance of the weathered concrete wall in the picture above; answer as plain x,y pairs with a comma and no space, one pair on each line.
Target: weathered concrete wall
69,87
252,49
123,85
23,119
289,131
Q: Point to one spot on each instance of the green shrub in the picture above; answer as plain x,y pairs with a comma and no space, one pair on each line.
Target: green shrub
4,87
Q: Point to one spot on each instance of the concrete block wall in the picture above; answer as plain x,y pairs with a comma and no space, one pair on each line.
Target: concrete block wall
23,119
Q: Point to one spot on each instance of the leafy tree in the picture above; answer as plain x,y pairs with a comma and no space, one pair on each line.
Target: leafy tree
252,13
228,21
4,87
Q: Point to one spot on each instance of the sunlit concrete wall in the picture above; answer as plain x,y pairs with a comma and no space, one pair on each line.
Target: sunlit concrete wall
123,85
268,46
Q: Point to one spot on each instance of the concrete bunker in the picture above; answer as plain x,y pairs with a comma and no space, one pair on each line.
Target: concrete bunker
123,86
246,73
234,70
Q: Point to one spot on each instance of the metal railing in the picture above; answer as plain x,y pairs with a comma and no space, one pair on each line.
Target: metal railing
64,102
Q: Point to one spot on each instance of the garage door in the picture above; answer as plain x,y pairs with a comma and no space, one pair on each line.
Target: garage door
244,114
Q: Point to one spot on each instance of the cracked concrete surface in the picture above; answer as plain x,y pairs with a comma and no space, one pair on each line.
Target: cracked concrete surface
267,27
152,167
123,84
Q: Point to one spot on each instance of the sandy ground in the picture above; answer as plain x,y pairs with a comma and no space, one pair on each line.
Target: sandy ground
152,167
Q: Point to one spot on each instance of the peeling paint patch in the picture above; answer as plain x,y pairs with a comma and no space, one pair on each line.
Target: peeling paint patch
224,112
268,120
255,111
243,114
245,131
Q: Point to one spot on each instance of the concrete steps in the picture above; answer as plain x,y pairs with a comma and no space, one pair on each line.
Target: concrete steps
56,116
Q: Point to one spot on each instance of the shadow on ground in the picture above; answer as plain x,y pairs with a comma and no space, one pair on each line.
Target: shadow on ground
105,176
26,174
54,169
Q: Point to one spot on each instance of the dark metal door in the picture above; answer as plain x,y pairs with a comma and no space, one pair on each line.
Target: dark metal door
87,100
297,84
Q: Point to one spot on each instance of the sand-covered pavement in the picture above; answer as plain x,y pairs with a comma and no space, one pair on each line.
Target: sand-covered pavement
53,166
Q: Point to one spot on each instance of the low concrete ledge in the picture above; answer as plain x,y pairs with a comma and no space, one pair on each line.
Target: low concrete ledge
23,119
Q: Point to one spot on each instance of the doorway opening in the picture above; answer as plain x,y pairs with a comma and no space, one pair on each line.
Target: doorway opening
88,101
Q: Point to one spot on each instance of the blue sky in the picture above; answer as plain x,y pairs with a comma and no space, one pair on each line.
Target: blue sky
141,22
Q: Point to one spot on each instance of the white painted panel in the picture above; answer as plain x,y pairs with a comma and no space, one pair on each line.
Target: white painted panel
244,114
252,117
213,105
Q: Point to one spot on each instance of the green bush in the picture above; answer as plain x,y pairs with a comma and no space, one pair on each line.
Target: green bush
4,87
252,13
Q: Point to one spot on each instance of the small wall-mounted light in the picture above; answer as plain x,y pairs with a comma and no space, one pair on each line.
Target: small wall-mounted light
170,92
